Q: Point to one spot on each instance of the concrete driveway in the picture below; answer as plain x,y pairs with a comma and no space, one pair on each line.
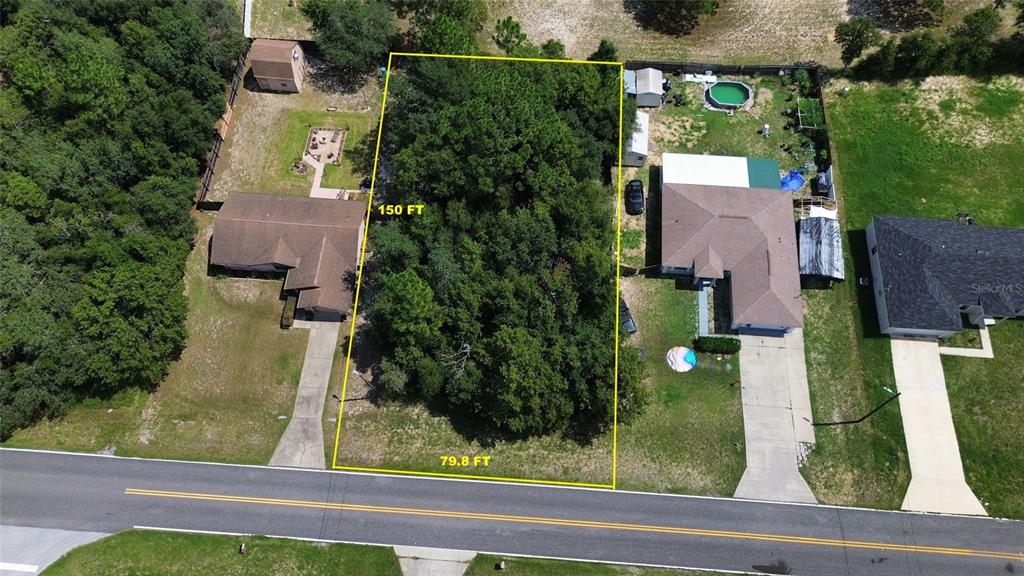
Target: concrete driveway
302,444
937,481
25,550
776,417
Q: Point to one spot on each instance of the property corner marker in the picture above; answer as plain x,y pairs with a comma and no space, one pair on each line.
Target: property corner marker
359,283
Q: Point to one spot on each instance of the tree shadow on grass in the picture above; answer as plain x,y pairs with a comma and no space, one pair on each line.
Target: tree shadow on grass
895,15
671,17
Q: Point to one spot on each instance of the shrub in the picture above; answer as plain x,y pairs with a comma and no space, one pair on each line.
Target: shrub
391,380
716,345
430,375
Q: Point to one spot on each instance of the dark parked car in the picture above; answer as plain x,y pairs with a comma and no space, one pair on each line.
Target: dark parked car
626,318
635,197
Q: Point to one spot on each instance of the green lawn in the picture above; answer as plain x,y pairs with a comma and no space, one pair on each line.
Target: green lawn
223,397
986,396
173,554
288,148
900,151
690,440
484,564
694,129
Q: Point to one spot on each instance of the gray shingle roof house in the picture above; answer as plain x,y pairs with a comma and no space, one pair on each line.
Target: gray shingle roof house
314,241
929,273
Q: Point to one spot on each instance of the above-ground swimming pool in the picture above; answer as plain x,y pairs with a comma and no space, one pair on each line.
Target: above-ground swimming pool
729,94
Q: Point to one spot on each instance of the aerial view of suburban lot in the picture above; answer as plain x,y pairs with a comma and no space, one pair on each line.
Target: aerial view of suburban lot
446,287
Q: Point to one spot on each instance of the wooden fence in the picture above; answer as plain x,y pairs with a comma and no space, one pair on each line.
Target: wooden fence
218,139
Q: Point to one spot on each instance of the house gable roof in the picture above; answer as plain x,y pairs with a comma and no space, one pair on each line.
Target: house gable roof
932,267
315,239
750,232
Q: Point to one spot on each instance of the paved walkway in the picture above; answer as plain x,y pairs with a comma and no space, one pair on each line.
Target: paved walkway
302,444
937,481
433,561
30,550
776,417
318,191
984,352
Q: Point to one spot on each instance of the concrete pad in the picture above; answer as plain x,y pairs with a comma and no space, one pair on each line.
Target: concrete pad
416,561
302,444
770,380
937,482
30,550
799,392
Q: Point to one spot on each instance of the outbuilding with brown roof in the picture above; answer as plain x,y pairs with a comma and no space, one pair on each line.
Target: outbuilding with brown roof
277,65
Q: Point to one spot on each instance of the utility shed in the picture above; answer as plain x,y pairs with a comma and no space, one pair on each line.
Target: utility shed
278,65
635,153
820,247
649,87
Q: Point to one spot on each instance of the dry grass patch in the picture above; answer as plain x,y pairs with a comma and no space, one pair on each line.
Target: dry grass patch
276,19
743,31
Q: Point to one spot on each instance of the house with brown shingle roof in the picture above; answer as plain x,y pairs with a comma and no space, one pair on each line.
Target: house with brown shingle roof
740,234
315,242
277,65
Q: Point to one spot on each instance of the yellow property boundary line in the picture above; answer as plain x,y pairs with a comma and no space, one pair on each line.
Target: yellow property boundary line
579,523
359,282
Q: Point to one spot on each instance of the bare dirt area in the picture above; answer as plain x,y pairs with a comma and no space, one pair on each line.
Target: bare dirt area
260,119
743,31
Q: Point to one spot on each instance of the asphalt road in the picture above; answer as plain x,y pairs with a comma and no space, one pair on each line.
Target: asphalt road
108,494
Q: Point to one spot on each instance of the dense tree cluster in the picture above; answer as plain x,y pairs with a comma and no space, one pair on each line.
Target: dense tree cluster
448,27
357,34
972,47
106,114
351,34
498,303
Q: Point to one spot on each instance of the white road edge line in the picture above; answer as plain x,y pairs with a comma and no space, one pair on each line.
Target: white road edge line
12,567
537,484
488,553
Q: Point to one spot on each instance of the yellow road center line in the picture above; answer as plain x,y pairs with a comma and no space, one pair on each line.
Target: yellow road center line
577,523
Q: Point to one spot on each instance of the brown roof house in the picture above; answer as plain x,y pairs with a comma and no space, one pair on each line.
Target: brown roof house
277,65
744,234
314,241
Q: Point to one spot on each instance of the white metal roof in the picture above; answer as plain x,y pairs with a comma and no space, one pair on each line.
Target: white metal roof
637,142
648,81
701,169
